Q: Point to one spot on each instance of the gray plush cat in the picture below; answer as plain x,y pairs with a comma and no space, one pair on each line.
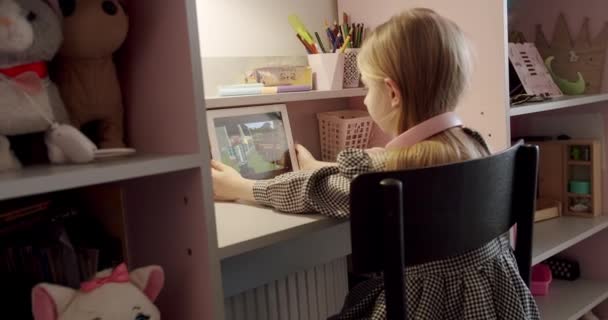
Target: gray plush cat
30,35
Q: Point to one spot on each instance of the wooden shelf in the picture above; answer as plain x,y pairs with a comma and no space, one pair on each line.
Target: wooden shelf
555,235
576,195
579,163
570,300
49,178
225,102
558,103
242,227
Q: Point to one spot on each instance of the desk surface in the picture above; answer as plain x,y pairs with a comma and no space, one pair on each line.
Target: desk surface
242,227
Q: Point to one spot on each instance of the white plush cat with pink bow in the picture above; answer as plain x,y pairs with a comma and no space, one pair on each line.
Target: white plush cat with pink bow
111,295
30,103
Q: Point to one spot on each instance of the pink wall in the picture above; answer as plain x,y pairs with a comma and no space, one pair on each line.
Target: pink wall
304,124
527,14
485,105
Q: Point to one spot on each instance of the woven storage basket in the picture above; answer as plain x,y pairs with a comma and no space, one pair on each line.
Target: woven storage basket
340,130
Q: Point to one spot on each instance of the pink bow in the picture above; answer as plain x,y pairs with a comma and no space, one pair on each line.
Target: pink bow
119,275
28,82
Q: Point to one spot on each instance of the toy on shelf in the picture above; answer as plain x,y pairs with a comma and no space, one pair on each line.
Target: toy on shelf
576,64
85,69
547,209
564,269
570,172
531,76
541,280
112,294
30,104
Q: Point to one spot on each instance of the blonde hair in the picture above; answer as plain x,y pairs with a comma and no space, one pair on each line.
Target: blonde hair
429,58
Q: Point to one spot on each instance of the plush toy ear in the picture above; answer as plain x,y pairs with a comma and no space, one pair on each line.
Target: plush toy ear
54,4
49,301
149,280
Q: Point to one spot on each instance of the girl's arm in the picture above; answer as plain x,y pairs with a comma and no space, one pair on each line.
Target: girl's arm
325,190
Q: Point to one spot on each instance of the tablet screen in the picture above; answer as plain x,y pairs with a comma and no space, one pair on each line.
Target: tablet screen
256,145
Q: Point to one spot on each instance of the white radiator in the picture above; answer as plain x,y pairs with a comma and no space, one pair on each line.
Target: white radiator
313,294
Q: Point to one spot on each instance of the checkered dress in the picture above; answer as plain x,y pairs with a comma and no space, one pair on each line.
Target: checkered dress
480,284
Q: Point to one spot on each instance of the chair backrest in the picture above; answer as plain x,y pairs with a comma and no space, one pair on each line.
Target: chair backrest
447,210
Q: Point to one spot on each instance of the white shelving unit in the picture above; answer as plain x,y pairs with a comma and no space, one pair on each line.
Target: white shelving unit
571,300
231,102
50,178
556,235
559,103
567,300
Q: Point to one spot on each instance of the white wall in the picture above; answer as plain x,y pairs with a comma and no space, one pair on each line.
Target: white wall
254,28
485,106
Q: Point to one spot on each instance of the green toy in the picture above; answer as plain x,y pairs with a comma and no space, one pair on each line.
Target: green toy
567,87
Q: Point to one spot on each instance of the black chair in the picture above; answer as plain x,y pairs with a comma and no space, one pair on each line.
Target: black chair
445,211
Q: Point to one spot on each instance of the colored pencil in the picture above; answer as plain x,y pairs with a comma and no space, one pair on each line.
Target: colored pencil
306,45
320,42
346,42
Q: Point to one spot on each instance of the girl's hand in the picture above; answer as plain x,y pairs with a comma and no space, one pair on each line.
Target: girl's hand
229,185
307,161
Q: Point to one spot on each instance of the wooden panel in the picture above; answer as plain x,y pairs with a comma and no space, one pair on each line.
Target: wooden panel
105,203
166,226
484,107
157,78
551,171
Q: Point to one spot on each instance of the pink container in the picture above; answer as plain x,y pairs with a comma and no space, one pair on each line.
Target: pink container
541,279
344,129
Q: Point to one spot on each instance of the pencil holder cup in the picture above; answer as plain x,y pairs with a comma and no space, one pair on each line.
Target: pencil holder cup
352,76
328,70
341,130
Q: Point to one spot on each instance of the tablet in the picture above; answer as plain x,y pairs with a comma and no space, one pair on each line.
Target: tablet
256,141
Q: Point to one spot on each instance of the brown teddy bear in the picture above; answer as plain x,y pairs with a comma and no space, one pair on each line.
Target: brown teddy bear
85,71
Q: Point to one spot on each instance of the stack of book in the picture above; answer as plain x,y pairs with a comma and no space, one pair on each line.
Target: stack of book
272,80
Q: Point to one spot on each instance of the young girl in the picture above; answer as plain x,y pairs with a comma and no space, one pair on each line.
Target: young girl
416,67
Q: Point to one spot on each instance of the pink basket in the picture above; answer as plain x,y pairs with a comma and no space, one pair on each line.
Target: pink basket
344,129
541,279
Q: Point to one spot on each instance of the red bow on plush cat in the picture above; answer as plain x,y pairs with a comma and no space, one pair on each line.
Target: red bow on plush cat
119,275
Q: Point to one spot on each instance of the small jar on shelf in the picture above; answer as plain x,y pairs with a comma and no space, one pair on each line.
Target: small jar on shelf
583,176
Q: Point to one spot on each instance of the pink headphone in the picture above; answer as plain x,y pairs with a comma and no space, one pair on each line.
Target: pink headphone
425,130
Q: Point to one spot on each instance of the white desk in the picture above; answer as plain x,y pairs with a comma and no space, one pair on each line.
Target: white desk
242,228
266,251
